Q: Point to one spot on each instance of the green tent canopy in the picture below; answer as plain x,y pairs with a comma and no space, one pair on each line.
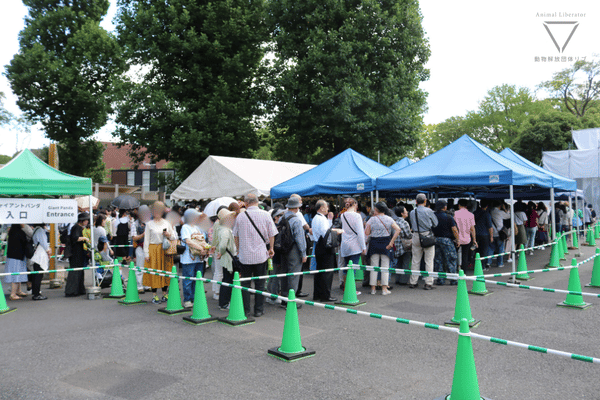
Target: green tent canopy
27,175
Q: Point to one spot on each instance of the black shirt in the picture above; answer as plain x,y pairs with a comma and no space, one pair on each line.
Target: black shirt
17,242
444,226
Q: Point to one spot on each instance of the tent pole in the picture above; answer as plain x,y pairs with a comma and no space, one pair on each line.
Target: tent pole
92,241
512,228
553,213
372,200
377,196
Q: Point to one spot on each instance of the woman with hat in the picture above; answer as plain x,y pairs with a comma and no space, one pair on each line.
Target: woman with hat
190,262
75,283
225,252
156,231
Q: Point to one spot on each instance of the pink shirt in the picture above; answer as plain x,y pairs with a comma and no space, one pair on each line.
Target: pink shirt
465,220
253,249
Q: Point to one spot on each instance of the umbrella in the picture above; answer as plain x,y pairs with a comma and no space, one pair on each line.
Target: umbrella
125,202
211,208
83,202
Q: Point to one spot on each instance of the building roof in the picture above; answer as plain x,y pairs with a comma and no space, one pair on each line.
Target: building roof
116,157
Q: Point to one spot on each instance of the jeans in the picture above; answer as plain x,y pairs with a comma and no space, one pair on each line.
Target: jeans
190,270
247,271
531,236
290,262
355,258
445,257
484,246
497,247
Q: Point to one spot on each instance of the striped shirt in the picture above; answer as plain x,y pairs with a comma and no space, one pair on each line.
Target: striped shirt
253,249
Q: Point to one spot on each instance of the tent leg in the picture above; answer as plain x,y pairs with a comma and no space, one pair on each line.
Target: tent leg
372,205
377,196
553,214
92,241
512,228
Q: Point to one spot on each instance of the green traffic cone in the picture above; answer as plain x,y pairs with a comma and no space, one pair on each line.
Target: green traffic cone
595,271
593,239
350,297
462,308
597,231
291,344
132,296
4,308
561,253
116,287
554,257
200,314
574,300
174,300
522,267
359,275
236,315
479,287
564,244
464,383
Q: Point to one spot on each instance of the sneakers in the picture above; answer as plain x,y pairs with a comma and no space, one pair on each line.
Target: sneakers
509,260
270,301
165,298
224,308
385,292
156,300
188,304
373,291
531,253
216,296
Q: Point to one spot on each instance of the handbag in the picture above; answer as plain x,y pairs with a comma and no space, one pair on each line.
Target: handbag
235,262
427,239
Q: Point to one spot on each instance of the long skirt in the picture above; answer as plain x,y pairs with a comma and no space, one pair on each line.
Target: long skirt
159,261
12,266
75,282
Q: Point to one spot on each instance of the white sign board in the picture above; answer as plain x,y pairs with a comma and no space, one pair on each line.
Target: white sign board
37,211
59,211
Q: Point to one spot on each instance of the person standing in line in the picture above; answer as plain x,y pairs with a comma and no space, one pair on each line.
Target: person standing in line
382,232
465,222
139,229
308,231
353,236
75,279
274,282
446,242
531,225
520,220
423,220
190,263
499,233
225,252
157,230
294,257
16,260
484,232
40,243
403,243
216,263
325,258
542,224
254,232
120,228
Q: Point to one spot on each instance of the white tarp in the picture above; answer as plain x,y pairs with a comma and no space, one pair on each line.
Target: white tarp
587,139
573,164
228,176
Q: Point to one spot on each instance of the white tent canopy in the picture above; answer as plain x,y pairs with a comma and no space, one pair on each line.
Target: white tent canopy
228,176
587,139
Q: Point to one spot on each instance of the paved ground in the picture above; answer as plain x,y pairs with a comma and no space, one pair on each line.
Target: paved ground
68,348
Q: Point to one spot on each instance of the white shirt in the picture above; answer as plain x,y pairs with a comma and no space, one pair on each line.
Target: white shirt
353,238
186,233
154,234
320,226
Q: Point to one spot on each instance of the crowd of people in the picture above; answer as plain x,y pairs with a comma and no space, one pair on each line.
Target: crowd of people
256,240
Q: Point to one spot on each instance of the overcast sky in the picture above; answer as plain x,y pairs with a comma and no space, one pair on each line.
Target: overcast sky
475,45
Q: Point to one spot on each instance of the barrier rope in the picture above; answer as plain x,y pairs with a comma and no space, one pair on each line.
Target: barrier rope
542,289
55,270
405,321
316,271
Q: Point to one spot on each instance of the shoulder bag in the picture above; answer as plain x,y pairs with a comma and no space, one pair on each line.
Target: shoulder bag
258,231
427,239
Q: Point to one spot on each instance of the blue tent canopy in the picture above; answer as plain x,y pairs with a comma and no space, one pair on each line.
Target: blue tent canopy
405,162
463,165
558,182
347,173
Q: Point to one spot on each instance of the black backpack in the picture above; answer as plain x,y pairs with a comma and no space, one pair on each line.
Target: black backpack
63,234
123,229
284,240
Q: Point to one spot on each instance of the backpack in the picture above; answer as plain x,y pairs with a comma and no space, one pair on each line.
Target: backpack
63,234
284,240
123,229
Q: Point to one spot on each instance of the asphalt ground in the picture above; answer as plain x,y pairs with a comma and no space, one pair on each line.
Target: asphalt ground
74,348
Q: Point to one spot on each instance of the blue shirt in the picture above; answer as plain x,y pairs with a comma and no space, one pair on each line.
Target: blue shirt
186,233
483,222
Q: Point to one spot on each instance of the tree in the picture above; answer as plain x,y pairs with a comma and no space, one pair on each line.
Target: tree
200,78
577,86
550,131
5,115
347,74
64,76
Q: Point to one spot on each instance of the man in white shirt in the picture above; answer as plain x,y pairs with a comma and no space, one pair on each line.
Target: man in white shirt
353,236
325,257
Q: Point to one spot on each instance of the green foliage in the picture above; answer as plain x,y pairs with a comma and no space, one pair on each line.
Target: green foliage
200,82
347,74
64,76
577,86
4,159
89,152
5,115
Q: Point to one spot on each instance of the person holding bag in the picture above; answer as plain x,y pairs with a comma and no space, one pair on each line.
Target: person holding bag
226,253
422,220
40,260
157,231
379,230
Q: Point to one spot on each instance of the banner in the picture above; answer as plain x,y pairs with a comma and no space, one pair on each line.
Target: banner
37,211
